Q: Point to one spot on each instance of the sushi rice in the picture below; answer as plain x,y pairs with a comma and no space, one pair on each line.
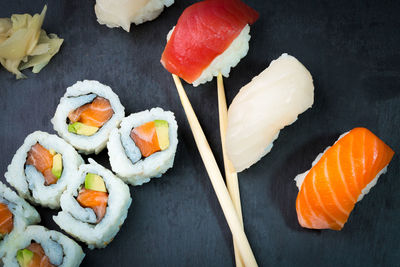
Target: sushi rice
23,214
61,250
81,93
228,59
121,13
80,222
125,156
30,183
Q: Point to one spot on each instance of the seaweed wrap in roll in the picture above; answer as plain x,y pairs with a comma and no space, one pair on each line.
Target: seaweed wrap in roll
38,246
15,215
144,146
42,168
87,113
95,206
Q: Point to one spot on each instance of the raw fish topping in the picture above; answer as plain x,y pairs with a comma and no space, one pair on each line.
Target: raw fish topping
333,185
204,31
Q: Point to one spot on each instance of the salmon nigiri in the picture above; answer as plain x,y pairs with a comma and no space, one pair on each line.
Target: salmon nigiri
341,176
42,159
210,36
94,114
6,220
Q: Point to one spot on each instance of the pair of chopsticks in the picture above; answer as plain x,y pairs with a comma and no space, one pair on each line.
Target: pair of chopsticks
229,201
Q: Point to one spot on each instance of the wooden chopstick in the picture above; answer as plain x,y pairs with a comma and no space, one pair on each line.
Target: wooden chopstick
230,173
216,178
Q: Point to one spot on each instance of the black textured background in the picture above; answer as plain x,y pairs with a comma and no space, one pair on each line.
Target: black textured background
352,50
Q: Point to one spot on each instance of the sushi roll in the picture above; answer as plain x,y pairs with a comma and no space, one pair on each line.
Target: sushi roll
271,101
121,13
144,146
94,206
42,168
15,215
38,246
339,178
87,113
211,36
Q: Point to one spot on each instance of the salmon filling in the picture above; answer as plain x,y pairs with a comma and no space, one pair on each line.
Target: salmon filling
6,220
33,256
151,137
94,195
42,160
94,114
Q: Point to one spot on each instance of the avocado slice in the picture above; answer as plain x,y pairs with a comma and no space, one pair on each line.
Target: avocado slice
57,165
82,129
24,257
162,133
95,182
52,151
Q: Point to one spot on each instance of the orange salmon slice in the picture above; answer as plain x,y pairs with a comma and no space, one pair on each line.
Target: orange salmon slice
332,187
95,200
39,257
6,219
42,159
145,137
94,114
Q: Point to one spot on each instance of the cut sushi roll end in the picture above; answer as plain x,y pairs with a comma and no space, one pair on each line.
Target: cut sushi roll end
38,246
42,168
86,115
144,146
94,206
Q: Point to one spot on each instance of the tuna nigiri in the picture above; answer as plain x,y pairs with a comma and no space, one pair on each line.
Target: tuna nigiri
210,37
339,178
271,101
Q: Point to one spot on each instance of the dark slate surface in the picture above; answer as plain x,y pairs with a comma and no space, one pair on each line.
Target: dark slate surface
352,50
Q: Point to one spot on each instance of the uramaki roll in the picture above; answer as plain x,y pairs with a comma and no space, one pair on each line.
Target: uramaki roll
144,146
94,206
87,113
38,246
15,215
42,168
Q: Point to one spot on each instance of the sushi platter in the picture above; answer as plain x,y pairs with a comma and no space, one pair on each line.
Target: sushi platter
199,133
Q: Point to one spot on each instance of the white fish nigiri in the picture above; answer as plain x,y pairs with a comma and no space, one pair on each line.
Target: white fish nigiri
271,101
121,13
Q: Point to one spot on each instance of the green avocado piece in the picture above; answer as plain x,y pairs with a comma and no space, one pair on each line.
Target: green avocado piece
82,129
57,165
24,257
95,182
162,133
